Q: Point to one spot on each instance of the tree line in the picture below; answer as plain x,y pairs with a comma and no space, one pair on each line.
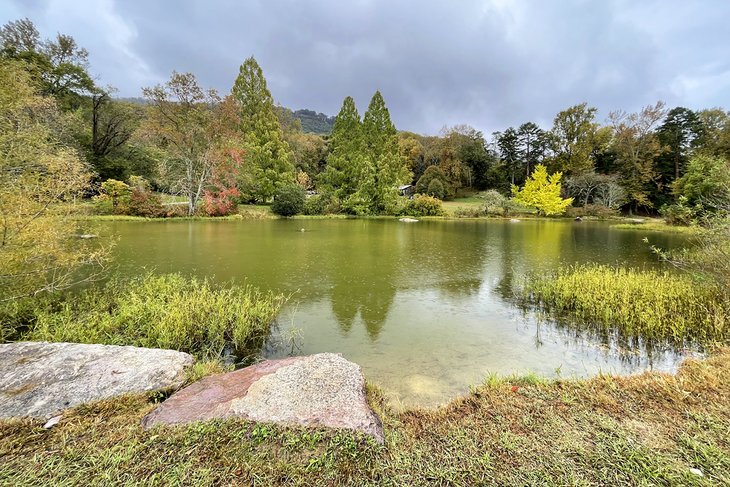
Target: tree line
218,151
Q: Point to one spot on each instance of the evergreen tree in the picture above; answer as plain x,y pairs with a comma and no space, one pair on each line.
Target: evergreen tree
344,163
384,168
271,157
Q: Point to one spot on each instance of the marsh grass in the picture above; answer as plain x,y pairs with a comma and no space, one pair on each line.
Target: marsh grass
160,311
640,305
648,429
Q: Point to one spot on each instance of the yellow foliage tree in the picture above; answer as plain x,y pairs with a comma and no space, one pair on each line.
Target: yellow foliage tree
542,191
39,178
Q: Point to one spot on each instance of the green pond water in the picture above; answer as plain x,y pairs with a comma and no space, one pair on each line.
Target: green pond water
425,308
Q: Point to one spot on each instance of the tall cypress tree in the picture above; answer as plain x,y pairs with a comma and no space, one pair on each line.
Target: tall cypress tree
263,138
384,168
346,157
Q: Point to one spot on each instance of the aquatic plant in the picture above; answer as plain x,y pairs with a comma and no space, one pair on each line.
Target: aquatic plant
641,304
161,311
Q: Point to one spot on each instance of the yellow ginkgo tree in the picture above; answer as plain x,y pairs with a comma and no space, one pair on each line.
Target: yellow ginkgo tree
542,191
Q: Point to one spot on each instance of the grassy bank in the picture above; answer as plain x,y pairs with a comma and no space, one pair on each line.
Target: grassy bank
168,311
649,429
658,226
634,304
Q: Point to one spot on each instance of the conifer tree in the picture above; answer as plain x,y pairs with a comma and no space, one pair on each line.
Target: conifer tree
384,168
344,163
269,154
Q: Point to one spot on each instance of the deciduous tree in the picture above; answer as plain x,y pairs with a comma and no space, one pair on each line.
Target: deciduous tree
542,191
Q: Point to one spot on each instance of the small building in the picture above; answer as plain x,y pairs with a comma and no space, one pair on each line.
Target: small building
406,190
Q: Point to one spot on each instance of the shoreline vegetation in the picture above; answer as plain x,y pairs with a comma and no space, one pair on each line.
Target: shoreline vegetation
645,429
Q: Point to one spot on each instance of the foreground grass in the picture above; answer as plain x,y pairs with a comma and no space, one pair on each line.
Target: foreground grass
636,304
649,429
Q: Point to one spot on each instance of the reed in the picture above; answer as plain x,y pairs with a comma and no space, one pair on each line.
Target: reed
638,304
161,311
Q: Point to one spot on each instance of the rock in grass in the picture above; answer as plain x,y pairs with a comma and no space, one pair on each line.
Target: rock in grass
40,379
323,390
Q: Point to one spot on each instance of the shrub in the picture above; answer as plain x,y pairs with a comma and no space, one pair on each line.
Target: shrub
494,202
423,205
322,204
431,173
168,311
469,212
113,197
288,200
220,202
680,213
436,189
145,203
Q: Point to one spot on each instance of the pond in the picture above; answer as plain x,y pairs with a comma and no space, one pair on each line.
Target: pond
425,308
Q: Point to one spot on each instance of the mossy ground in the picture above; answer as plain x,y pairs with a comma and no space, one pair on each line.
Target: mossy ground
649,429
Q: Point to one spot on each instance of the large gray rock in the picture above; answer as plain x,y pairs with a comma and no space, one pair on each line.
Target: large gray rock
317,390
40,379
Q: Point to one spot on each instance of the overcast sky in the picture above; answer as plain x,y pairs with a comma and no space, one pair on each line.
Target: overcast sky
488,63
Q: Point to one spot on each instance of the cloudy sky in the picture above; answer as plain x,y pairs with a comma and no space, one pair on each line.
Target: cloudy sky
488,63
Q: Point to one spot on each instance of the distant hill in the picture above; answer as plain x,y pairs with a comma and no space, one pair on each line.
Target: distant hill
313,122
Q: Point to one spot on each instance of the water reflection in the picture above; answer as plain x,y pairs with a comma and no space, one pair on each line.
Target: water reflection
426,309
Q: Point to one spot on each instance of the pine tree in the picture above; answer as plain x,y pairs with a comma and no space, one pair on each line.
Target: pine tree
264,141
384,168
344,163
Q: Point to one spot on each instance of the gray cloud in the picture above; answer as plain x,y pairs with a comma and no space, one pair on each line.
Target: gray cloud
490,64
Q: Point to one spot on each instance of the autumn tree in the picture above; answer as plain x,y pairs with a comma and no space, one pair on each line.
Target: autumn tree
270,156
542,191
58,66
636,147
179,124
40,176
573,138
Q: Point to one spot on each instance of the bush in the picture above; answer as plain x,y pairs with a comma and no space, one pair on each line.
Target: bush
436,189
680,213
322,204
168,311
494,202
288,200
145,203
423,205
431,173
469,212
220,202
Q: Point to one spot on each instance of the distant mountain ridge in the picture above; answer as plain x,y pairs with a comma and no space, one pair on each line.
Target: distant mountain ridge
313,122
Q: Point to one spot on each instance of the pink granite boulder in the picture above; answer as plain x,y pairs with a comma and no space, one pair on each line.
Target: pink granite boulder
322,390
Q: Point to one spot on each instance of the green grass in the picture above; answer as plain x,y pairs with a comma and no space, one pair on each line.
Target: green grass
168,311
648,429
638,304
658,226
